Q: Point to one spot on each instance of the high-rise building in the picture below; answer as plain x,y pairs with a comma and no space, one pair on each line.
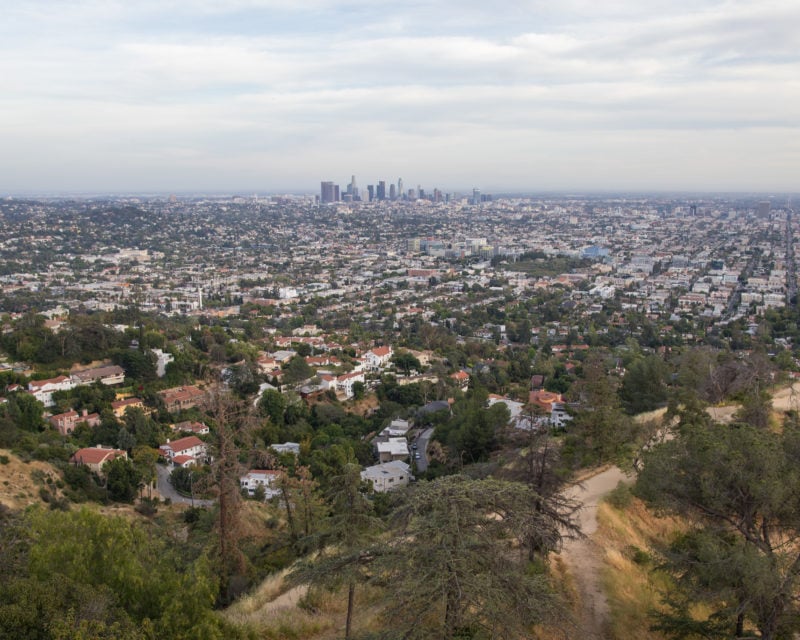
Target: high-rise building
400,188
476,196
370,192
326,192
336,197
352,189
382,190
763,209
392,192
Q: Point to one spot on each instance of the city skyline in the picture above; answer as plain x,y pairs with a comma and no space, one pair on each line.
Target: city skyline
269,96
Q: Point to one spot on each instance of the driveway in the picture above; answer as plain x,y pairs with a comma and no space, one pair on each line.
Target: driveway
422,448
166,490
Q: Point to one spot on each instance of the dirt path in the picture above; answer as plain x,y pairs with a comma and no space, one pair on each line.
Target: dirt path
584,557
787,398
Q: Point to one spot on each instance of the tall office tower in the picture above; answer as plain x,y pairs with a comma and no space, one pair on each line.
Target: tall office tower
437,195
382,190
326,194
392,192
476,196
420,193
400,188
412,195
352,188
370,192
336,197
763,209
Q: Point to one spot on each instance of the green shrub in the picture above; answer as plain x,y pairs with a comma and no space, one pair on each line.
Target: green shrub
620,497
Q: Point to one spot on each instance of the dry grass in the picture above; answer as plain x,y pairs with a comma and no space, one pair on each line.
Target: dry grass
628,536
18,489
276,612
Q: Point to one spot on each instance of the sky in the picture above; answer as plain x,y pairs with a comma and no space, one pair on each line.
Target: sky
245,96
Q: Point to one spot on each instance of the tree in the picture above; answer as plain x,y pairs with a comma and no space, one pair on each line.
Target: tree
740,484
359,388
600,431
344,554
300,498
103,574
26,412
122,479
406,361
451,567
230,420
532,458
145,459
644,388
297,370
273,404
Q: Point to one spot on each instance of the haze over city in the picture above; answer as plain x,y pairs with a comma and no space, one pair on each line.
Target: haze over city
270,95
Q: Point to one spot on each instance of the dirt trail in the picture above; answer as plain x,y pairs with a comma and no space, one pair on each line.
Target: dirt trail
584,557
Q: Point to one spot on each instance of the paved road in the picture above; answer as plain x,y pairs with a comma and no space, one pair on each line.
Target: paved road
422,447
166,490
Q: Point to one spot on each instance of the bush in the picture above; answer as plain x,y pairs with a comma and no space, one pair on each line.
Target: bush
620,497
147,507
4,460
641,557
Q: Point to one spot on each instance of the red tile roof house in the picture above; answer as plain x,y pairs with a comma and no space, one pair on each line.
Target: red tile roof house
96,457
184,461
119,407
180,398
189,446
461,378
66,422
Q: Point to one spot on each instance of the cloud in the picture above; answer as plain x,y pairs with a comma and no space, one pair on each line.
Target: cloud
170,88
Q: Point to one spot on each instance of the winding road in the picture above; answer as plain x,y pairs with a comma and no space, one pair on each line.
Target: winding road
166,490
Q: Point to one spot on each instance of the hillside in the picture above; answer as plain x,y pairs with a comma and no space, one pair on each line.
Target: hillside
21,482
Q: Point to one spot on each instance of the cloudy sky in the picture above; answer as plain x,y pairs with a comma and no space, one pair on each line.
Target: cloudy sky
277,95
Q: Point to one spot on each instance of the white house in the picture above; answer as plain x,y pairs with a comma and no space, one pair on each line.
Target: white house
377,358
345,382
43,390
397,428
393,449
286,447
559,416
260,478
387,475
162,360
